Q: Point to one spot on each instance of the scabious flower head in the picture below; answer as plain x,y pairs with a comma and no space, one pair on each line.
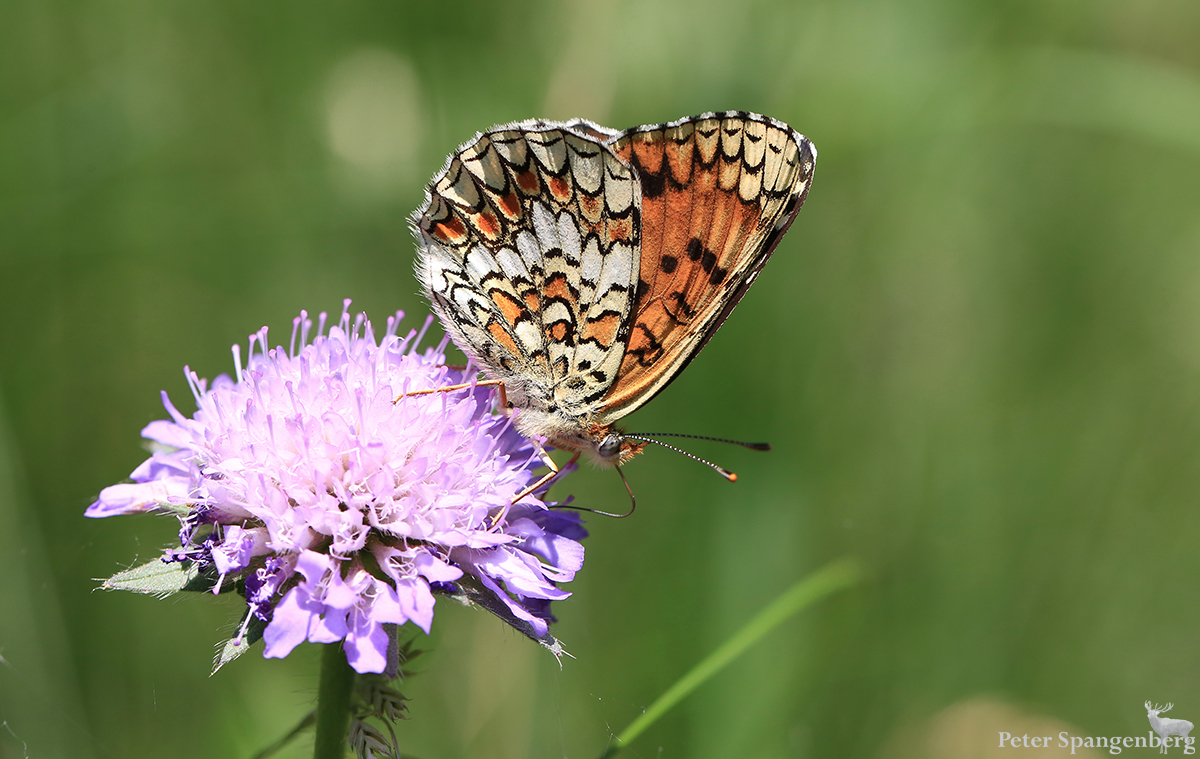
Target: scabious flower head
336,509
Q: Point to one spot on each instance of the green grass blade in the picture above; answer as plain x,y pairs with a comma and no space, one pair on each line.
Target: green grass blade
834,577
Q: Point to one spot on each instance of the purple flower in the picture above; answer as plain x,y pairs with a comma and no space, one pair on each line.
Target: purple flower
335,510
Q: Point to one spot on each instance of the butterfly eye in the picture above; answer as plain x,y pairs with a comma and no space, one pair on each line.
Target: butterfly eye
610,447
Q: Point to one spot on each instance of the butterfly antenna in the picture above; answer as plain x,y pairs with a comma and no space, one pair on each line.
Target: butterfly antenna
720,470
751,446
632,502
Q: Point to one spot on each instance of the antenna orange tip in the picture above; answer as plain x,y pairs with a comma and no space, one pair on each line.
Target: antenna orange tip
732,477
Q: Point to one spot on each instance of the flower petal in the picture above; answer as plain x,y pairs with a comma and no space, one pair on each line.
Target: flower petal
135,498
290,623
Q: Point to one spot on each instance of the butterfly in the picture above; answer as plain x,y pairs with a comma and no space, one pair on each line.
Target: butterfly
582,267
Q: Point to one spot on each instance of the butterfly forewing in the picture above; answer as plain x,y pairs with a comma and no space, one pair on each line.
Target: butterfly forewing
529,242
718,191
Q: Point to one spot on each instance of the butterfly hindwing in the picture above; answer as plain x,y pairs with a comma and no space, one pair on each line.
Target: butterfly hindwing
718,191
529,239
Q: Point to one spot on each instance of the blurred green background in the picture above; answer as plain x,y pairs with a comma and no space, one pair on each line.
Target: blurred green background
977,354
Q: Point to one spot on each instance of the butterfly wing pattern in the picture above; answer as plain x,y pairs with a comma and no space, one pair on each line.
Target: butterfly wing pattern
585,267
718,192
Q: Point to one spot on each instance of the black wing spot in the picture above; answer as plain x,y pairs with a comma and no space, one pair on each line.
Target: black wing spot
708,261
606,313
668,264
684,309
695,248
718,276
651,353
653,185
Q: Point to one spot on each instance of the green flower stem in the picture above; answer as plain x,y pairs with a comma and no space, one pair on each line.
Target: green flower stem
836,576
333,703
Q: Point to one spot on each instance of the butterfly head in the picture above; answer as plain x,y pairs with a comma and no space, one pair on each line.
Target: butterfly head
609,447
603,445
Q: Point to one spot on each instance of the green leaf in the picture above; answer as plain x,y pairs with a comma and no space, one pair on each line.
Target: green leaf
235,647
158,578
472,593
176,509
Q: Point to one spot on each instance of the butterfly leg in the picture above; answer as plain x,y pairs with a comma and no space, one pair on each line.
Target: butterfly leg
554,472
542,481
453,388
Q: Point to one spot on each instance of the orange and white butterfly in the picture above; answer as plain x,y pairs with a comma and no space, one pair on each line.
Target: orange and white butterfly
584,267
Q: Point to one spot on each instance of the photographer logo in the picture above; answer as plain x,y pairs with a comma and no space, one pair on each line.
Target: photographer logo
1170,728
1166,733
